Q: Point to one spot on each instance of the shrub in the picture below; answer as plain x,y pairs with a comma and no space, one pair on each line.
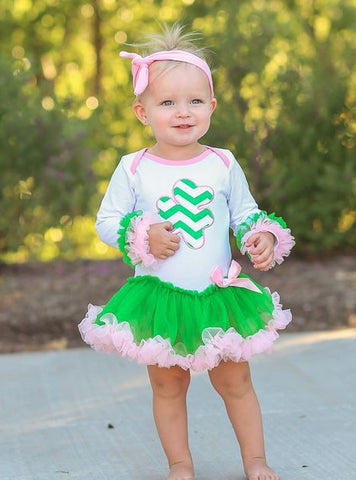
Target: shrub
45,163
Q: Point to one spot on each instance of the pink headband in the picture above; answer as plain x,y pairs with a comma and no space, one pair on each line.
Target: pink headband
140,66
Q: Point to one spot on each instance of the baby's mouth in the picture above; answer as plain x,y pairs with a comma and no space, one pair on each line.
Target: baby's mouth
183,126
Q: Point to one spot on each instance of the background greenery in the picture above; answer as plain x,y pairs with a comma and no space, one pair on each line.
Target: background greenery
285,76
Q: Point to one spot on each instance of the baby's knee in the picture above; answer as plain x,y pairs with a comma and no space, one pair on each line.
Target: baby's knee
233,387
170,385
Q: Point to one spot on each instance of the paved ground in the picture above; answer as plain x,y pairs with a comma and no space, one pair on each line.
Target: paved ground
56,409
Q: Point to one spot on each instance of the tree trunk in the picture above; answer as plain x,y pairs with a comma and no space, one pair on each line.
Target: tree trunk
98,44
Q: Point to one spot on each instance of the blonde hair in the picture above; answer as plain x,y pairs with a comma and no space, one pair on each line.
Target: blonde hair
171,38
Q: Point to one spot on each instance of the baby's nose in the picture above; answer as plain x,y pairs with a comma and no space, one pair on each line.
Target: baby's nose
183,110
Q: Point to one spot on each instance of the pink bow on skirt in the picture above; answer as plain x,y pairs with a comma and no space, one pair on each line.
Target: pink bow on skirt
232,279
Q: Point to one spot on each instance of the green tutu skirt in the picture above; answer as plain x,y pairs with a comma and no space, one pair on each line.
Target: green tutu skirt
155,323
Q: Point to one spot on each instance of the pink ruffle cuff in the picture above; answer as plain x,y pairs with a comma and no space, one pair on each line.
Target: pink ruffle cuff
137,246
284,239
114,337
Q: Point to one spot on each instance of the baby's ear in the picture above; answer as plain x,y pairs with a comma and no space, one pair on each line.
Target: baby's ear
213,104
140,112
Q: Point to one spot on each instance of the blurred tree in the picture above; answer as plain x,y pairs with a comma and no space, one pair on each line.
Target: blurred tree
69,53
285,79
286,82
46,178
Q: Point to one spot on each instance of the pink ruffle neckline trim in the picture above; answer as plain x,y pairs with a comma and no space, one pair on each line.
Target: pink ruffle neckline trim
188,161
114,337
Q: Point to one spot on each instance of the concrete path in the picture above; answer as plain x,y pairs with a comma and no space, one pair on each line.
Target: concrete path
56,410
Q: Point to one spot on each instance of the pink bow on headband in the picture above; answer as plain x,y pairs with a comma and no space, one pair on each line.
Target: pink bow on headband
232,279
140,66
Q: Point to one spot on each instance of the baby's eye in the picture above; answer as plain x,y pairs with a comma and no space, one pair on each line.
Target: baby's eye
196,101
167,103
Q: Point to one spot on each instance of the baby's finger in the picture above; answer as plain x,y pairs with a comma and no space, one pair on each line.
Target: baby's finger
168,252
174,246
174,238
252,240
263,257
261,265
256,250
264,265
167,226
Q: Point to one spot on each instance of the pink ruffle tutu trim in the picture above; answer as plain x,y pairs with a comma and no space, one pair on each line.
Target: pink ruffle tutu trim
114,337
138,248
284,240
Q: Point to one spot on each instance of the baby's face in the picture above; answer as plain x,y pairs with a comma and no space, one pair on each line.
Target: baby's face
177,105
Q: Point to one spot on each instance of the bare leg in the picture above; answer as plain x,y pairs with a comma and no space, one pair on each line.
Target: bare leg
233,382
169,387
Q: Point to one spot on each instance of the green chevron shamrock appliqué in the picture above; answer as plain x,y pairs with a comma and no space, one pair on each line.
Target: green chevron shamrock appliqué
186,211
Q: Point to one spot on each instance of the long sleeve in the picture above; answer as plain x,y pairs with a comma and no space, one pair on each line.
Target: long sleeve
118,201
241,202
120,225
246,218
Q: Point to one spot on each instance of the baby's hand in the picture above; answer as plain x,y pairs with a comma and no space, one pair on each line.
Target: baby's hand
162,242
260,246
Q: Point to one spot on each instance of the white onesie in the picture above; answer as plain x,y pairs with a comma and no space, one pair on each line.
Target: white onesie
202,197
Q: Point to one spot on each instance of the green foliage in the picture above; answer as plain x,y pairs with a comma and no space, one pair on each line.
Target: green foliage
285,80
286,84
46,177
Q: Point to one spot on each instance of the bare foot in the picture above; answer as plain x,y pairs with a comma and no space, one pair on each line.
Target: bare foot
257,469
181,471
